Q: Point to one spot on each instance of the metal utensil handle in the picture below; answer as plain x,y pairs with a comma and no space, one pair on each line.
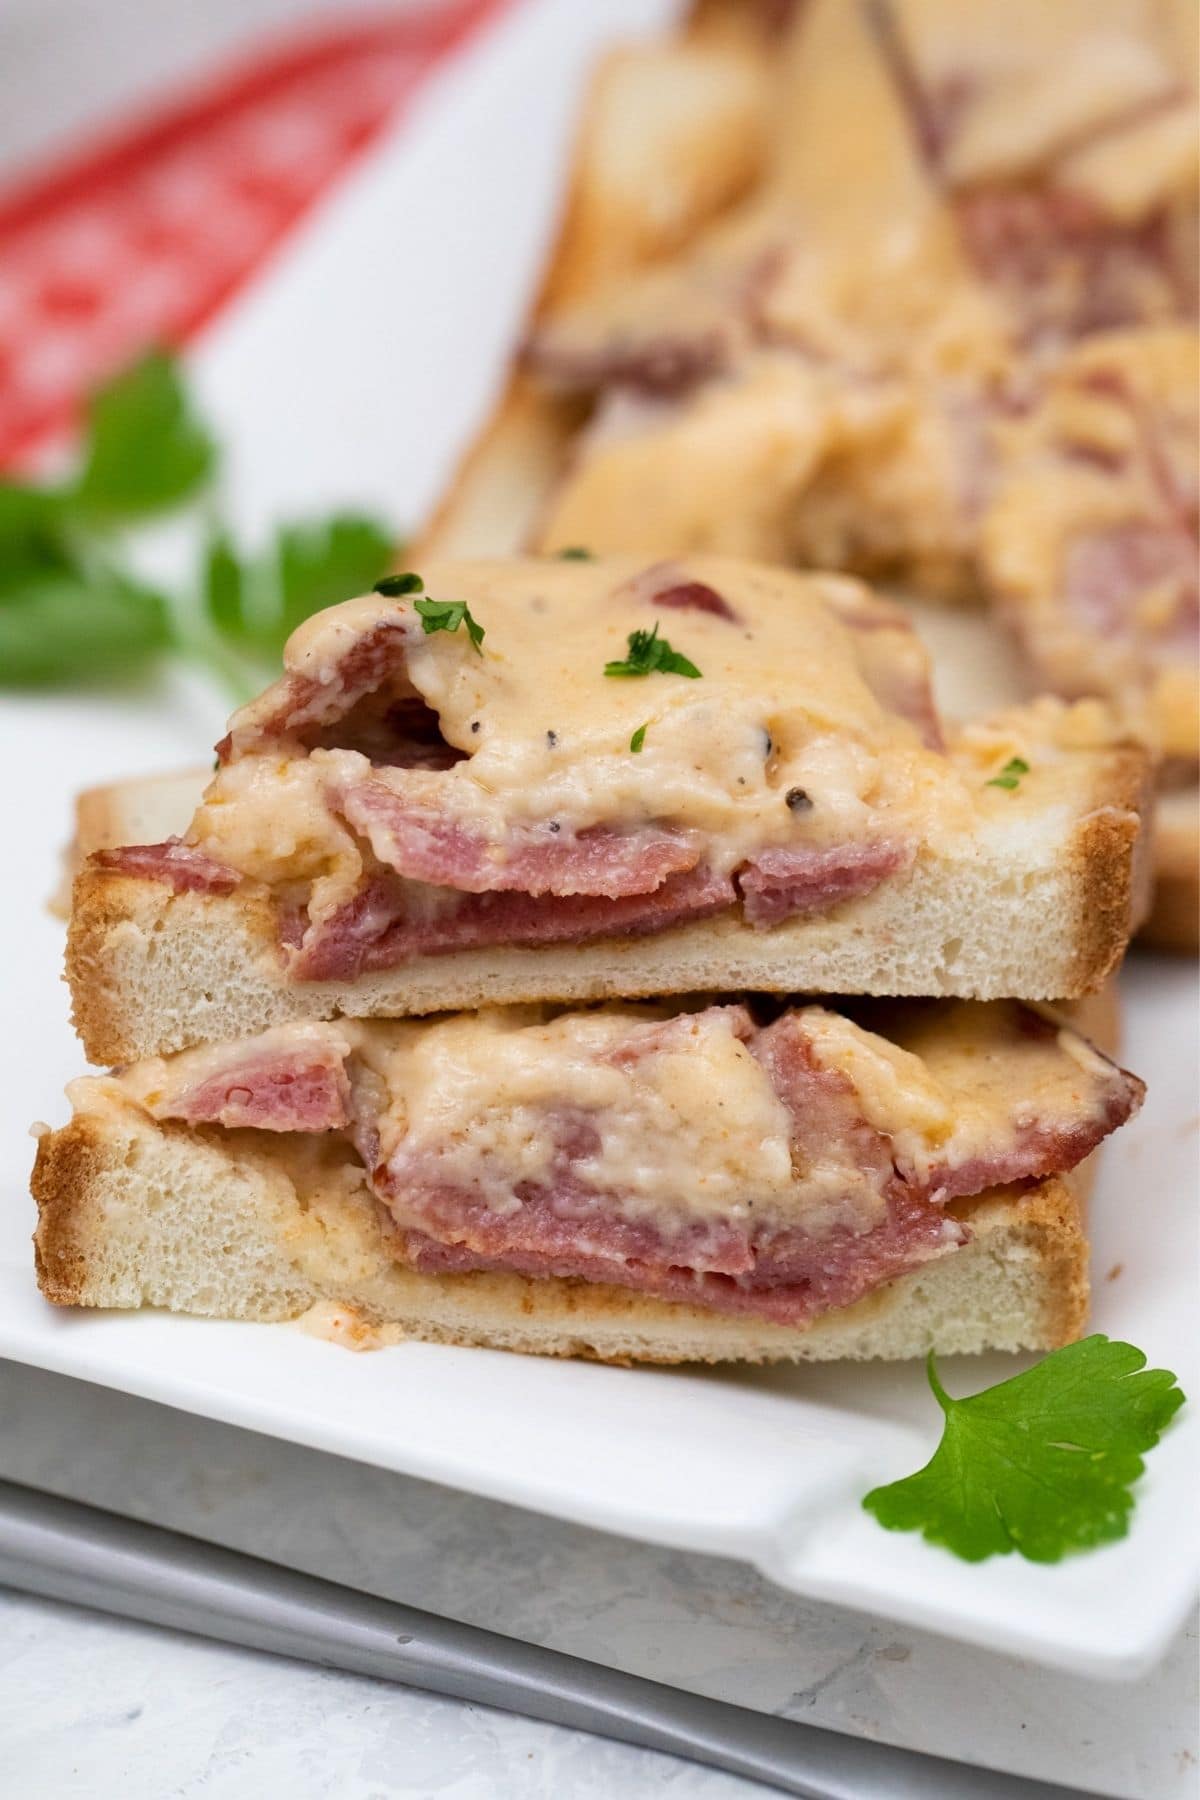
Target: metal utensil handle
63,1550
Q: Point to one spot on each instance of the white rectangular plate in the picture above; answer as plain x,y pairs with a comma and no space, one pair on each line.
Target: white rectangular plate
352,373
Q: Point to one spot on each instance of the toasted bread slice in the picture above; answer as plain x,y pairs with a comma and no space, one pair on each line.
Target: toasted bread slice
1173,922
1042,911
137,1214
671,134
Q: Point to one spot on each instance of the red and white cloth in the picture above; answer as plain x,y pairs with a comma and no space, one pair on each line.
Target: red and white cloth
140,238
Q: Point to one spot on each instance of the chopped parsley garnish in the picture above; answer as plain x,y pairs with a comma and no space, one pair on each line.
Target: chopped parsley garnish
649,653
576,553
1042,1463
393,585
638,739
448,615
1010,774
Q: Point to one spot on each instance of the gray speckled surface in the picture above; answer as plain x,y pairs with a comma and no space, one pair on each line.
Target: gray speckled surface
94,1707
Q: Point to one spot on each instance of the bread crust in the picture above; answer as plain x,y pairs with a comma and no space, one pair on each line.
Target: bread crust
152,971
1173,922
108,1235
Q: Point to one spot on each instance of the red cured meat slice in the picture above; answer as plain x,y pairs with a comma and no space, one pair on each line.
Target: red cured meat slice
849,1268
179,865
668,584
780,883
301,1090
1067,269
649,362
425,844
695,596
1108,572
391,921
298,704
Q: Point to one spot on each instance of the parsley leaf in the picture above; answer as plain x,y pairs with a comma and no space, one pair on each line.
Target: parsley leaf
448,615
146,449
576,553
1042,1463
393,585
1010,774
256,603
638,739
65,625
70,612
649,652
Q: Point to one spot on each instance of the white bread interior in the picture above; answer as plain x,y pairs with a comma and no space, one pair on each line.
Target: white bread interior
134,1214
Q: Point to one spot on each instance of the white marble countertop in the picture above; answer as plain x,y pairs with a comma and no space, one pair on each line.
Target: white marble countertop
93,1707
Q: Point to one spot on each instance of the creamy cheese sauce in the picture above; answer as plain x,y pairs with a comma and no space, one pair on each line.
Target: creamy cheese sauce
680,1123
690,1129
782,704
1113,437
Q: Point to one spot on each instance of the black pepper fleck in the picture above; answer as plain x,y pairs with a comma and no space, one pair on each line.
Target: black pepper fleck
553,825
474,724
798,800
552,739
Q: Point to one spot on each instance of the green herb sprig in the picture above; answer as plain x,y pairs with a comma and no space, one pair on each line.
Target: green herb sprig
72,610
448,615
1044,1463
650,654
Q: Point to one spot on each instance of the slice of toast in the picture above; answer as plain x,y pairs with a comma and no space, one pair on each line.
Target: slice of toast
1039,907
499,497
137,1214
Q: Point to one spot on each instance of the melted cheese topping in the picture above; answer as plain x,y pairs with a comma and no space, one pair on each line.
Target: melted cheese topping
1033,78
853,265
691,1129
1089,460
782,703
673,1118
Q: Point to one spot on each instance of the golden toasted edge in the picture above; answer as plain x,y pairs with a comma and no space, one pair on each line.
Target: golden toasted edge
595,240
1113,858
1042,1224
1173,922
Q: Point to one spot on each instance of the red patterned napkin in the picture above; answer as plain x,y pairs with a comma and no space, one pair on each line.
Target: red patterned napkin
141,237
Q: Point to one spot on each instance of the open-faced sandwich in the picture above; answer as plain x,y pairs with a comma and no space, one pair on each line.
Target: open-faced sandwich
935,324
576,779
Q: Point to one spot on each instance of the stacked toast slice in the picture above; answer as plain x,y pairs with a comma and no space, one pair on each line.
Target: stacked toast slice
607,957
